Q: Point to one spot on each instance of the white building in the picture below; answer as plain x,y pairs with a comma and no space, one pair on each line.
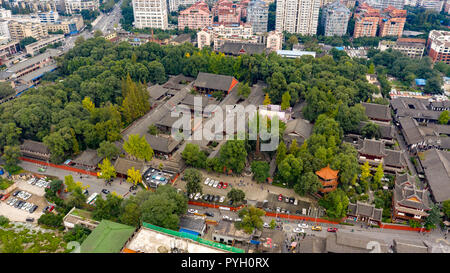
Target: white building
382,4
4,30
435,5
150,13
335,18
297,16
203,39
174,4
76,6
48,17
5,13
258,15
274,40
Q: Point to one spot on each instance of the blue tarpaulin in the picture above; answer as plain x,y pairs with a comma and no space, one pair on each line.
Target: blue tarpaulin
421,82
189,231
255,242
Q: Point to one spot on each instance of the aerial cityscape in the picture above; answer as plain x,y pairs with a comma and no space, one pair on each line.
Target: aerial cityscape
225,126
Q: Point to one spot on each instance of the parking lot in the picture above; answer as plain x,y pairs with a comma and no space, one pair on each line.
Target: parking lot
30,194
301,208
217,194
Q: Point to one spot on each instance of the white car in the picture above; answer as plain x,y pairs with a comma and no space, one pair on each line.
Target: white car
225,217
192,211
266,225
222,199
216,183
207,181
197,196
211,182
303,225
295,202
191,196
238,220
298,230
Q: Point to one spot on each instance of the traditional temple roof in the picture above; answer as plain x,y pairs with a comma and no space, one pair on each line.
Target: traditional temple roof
327,173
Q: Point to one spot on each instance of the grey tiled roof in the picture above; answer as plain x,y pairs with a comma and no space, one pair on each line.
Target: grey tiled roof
242,48
373,147
300,127
436,165
411,131
88,157
213,81
377,111
344,242
394,158
164,144
405,188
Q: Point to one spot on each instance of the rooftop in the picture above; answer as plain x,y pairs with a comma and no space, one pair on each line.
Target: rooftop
122,165
327,173
436,165
107,237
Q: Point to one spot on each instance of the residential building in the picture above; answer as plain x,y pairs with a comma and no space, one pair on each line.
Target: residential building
438,46
366,21
274,40
30,65
7,50
4,29
411,47
195,17
48,17
434,5
20,30
350,4
5,13
203,39
175,4
329,179
227,12
150,13
258,15
392,22
409,202
76,6
297,16
71,25
34,48
335,18
107,237
226,232
383,4
363,212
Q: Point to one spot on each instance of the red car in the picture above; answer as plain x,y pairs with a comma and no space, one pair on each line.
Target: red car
5,197
332,229
225,185
280,197
51,208
219,186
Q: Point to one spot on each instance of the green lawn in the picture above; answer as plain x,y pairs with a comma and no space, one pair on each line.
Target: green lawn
27,241
5,183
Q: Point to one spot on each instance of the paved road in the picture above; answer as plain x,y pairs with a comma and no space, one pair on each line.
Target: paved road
95,184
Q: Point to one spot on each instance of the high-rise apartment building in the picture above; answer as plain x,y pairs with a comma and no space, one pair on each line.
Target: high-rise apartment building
297,16
48,17
195,17
76,6
150,13
438,46
227,12
175,4
335,18
366,21
5,13
274,40
258,15
411,47
392,22
434,5
20,30
383,4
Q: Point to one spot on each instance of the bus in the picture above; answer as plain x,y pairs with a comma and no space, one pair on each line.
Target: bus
92,198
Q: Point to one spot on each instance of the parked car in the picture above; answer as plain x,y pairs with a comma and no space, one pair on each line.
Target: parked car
283,210
211,183
316,228
5,197
206,197
222,199
192,211
291,200
238,220
29,219
46,208
225,185
211,198
295,202
105,191
210,214
280,197
278,209
86,192
216,198
16,193
332,229
216,183
230,202
1,196
197,196
33,209
298,211
51,208
266,225
298,230
207,180
219,186
191,196
303,225
286,199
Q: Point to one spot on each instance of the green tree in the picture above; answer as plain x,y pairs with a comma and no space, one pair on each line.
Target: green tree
251,219
131,214
273,224
335,203
308,183
290,169
107,170
365,172
285,101
135,103
153,130
371,130
9,135
281,152
244,90
77,198
193,179
134,176
108,150
78,233
109,208
138,147
434,218
236,195
446,208
379,174
267,100
11,244
11,156
444,117
6,90
26,41
260,170
193,156
233,155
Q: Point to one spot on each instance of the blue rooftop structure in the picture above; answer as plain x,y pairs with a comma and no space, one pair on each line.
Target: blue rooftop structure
421,82
339,47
